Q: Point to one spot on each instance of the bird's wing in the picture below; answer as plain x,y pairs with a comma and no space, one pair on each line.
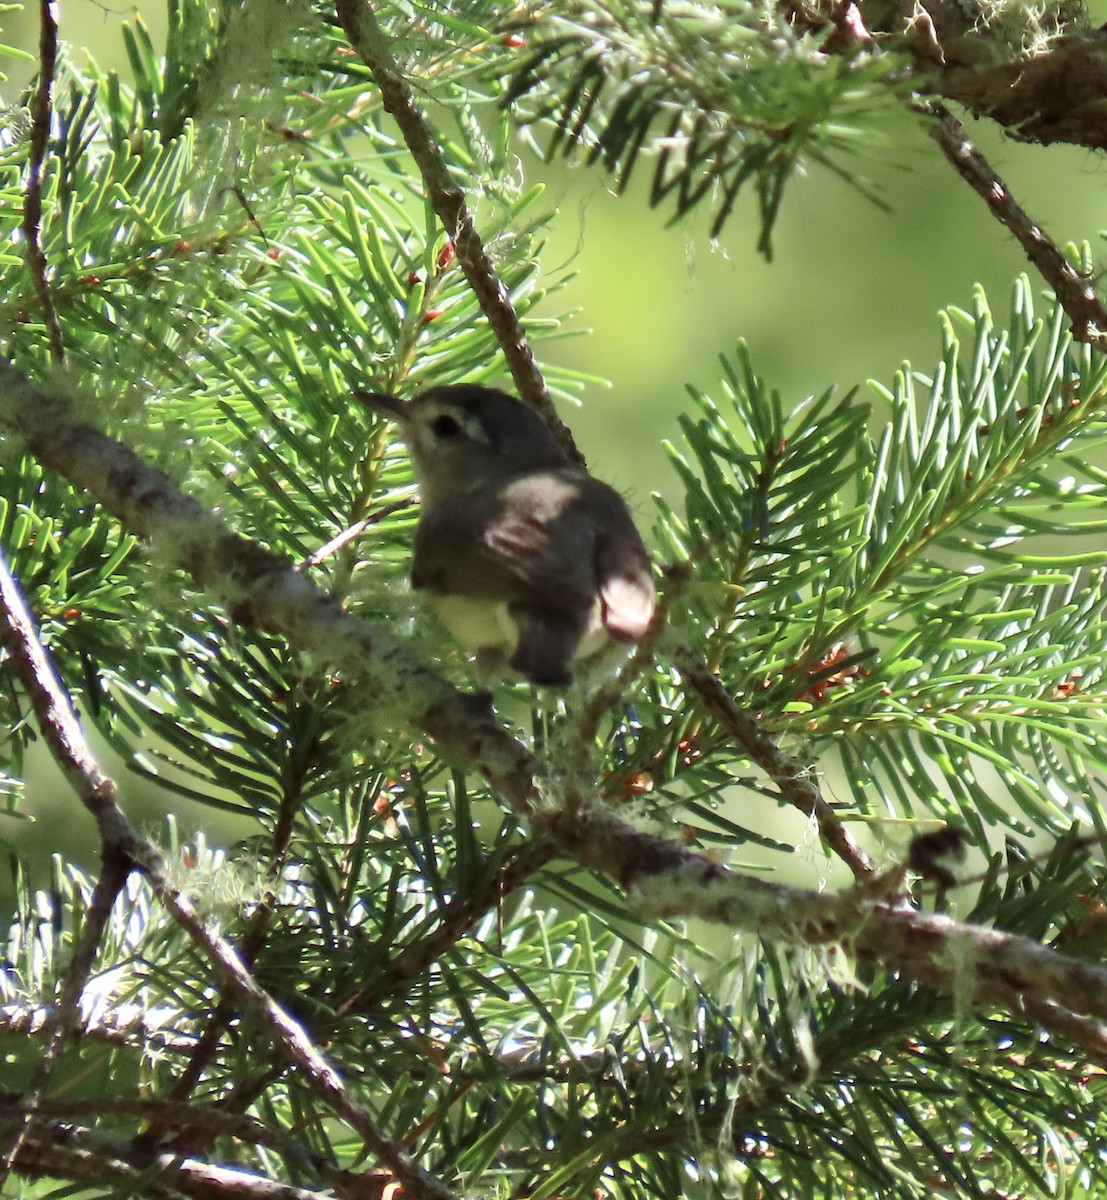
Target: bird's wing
590,546
517,547
550,561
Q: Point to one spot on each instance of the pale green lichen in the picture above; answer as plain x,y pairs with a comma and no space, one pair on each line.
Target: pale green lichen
1025,28
218,887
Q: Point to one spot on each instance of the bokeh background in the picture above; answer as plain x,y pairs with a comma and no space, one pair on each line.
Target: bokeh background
851,294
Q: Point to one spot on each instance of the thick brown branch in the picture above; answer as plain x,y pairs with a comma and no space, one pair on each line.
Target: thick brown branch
967,961
369,40
1044,82
1090,1036
1052,97
60,1152
124,1025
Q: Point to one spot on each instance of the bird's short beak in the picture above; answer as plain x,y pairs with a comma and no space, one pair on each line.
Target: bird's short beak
387,406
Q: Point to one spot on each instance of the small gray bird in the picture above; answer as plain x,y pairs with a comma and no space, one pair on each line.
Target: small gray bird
527,557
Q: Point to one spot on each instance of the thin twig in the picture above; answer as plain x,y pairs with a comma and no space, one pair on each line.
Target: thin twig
369,40
353,532
458,917
41,110
789,777
1074,293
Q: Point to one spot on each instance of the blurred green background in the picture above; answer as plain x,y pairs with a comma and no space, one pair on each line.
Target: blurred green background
852,293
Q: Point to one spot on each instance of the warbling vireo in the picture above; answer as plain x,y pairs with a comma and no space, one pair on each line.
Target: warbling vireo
528,558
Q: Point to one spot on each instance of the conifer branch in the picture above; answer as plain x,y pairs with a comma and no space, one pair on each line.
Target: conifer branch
62,731
1074,293
966,961
41,110
369,40
210,1117
536,1046
250,946
793,780
289,1035
120,843
664,878
64,1017
462,913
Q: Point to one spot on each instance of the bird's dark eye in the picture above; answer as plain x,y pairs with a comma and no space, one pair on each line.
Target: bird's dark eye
445,427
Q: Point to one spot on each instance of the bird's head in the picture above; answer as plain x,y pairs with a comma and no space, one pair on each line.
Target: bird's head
460,434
